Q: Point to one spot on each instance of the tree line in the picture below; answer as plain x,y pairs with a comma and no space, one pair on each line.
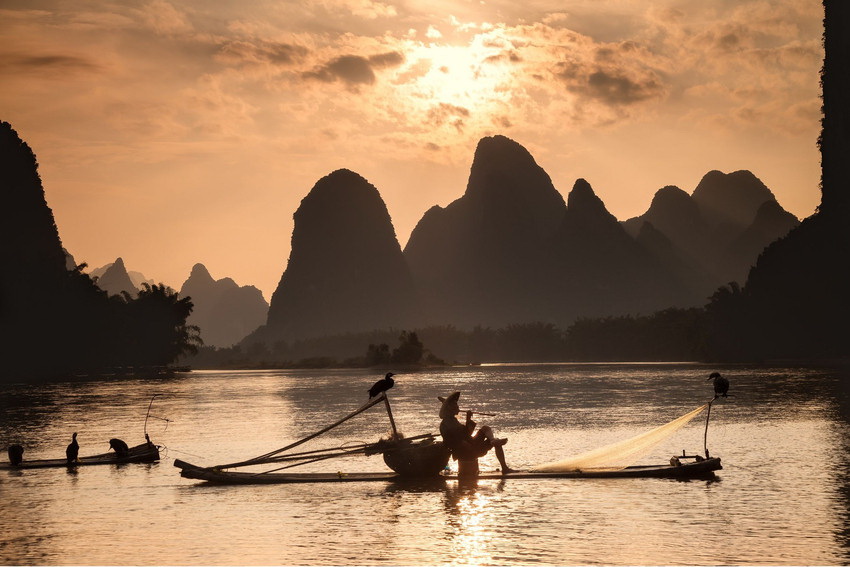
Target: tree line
79,328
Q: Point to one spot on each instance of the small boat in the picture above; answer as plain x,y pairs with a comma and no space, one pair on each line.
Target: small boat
145,453
423,458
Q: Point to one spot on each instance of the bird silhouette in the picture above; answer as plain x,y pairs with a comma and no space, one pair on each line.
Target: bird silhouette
73,449
16,454
382,385
120,447
721,384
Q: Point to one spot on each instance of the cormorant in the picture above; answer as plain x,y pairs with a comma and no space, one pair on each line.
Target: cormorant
721,384
382,385
73,449
16,454
120,447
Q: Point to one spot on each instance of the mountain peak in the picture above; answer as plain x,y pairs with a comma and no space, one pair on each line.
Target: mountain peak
585,210
506,180
115,280
199,270
731,197
346,271
582,197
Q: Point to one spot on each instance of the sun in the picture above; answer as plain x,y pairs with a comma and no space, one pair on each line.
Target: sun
474,78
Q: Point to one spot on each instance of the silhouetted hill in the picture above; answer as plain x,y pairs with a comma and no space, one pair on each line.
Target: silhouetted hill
70,263
346,271
695,281
675,214
730,199
771,222
601,269
719,230
138,278
225,311
795,303
115,280
28,234
478,260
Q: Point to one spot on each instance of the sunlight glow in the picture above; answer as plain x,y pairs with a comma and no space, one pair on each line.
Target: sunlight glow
474,537
456,82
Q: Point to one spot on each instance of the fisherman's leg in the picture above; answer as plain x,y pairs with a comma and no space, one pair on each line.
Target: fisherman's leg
488,433
500,454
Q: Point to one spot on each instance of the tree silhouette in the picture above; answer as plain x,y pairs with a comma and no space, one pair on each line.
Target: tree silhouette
158,330
410,349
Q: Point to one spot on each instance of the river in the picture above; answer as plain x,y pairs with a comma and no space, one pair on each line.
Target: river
781,498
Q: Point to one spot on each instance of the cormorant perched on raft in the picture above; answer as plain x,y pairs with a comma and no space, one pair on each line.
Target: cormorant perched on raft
382,385
120,447
721,384
16,454
73,450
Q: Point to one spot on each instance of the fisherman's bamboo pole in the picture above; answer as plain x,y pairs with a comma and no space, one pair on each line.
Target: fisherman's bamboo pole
478,413
705,437
255,460
390,413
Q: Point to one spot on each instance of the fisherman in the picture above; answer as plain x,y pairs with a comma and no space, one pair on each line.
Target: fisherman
459,438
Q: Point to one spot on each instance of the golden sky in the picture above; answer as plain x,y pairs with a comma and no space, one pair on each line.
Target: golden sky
184,131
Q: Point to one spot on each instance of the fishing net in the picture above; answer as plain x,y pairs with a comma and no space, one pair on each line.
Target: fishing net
621,454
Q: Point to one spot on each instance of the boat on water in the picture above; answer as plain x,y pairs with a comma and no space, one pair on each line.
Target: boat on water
425,458
146,452
703,469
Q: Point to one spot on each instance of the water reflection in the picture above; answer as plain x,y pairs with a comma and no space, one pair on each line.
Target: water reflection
784,497
469,514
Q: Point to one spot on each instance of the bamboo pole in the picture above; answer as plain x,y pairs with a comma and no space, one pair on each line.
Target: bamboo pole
261,458
390,413
705,437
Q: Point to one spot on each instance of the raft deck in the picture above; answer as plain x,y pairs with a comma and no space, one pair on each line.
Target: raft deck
699,469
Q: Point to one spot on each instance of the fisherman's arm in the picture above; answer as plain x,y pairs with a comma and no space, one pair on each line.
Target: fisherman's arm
470,425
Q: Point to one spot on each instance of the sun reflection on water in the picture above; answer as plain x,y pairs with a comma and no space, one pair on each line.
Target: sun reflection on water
472,519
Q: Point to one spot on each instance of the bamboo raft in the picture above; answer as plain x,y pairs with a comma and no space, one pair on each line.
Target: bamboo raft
696,470
420,458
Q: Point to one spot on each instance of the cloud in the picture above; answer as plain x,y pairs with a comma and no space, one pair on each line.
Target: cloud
247,52
616,76
48,64
164,18
444,113
354,70
616,88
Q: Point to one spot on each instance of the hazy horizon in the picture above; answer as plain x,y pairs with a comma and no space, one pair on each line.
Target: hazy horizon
196,129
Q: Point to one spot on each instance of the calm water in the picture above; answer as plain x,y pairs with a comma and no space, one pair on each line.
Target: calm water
782,497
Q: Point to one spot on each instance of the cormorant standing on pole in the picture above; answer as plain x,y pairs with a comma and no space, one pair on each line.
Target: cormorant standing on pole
721,384
382,385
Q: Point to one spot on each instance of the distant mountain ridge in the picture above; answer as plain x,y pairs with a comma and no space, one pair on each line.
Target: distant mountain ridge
115,280
719,230
138,278
511,250
225,311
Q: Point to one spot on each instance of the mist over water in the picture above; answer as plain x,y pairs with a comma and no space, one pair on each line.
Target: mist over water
782,497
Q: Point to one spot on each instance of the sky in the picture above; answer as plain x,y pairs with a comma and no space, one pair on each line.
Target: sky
172,132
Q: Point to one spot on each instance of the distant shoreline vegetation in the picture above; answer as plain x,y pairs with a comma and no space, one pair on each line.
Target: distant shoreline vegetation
671,334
